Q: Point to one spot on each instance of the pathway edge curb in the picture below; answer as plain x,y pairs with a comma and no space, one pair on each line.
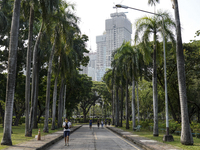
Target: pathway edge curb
131,139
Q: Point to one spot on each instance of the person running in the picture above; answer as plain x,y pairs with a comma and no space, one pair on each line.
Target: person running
66,126
98,122
90,123
102,123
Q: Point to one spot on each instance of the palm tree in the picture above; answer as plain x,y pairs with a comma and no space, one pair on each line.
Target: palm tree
148,26
186,135
10,89
63,22
120,58
47,8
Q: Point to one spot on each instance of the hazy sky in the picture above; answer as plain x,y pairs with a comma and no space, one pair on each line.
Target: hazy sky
93,14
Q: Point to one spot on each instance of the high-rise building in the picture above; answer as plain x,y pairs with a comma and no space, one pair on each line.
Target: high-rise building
90,69
118,30
101,56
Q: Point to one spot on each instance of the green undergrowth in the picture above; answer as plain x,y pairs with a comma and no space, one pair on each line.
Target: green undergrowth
176,142
18,135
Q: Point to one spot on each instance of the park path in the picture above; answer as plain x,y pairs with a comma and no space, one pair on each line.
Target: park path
95,139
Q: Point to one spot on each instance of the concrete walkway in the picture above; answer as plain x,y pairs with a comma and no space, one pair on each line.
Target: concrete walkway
46,141
146,143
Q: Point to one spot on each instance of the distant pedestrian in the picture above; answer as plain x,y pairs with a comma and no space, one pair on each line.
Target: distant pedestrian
90,123
98,122
102,123
105,122
109,122
66,126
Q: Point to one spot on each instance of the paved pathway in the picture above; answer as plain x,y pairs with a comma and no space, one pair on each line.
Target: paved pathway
45,141
95,139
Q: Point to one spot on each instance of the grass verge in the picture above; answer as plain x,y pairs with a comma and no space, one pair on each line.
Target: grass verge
18,135
176,142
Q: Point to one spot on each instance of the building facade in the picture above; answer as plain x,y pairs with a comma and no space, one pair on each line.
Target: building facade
118,30
101,56
90,69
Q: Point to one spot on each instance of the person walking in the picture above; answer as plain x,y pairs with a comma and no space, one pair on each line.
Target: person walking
90,123
102,123
98,122
66,126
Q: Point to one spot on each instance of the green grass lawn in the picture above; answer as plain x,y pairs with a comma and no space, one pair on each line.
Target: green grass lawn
18,135
149,134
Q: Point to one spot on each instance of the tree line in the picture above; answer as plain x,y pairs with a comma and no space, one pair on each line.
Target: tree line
42,51
144,61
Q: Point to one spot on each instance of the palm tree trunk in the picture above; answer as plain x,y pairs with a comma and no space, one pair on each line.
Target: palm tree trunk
117,108
33,91
122,98
54,104
28,70
138,105
12,63
35,126
46,128
127,105
60,104
133,103
113,103
155,94
186,135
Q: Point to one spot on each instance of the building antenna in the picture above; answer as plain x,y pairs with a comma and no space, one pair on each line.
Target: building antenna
90,41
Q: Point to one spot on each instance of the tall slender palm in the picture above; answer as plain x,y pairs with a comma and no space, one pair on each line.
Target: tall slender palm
12,60
120,58
186,135
64,20
129,56
148,26
47,7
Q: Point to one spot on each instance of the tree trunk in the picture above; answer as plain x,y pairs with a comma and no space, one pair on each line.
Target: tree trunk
54,104
12,63
127,106
46,120
117,108
186,135
122,98
35,126
155,95
133,102
60,105
84,115
113,106
138,106
28,70
33,90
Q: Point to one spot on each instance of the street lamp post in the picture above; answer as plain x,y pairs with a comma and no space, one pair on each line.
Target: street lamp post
166,137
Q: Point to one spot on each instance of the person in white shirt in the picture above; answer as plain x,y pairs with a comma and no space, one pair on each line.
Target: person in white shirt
66,126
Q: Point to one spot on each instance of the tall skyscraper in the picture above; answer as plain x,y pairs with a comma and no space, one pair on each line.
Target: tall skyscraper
101,56
90,69
118,30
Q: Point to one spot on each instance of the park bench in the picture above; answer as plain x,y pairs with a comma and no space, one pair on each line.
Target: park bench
137,128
